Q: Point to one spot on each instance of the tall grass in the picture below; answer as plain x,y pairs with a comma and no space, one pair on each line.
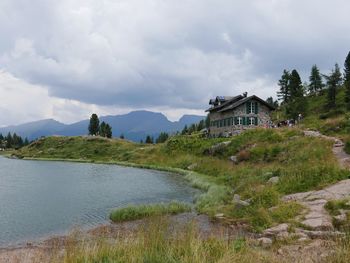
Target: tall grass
154,243
133,212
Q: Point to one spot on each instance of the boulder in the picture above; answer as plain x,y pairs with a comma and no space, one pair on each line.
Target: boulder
273,180
217,147
265,242
238,202
233,159
192,166
274,231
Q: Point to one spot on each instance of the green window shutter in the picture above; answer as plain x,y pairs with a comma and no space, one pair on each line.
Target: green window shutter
244,121
248,107
256,120
256,107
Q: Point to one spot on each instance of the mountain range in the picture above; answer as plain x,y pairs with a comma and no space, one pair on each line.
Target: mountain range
135,126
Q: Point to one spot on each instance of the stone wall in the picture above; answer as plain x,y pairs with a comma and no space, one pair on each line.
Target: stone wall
263,118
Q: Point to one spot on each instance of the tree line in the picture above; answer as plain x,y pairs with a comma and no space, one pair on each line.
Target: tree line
95,128
292,91
187,130
12,141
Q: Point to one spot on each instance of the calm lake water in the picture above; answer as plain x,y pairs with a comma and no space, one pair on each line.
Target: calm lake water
38,199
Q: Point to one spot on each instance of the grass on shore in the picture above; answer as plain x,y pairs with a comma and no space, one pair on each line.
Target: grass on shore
133,212
155,243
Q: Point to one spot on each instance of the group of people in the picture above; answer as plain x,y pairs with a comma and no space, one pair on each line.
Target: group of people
290,122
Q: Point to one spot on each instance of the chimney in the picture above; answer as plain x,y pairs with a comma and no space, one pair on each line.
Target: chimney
245,94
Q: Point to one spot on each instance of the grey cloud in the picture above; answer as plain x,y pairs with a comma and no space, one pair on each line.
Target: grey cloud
167,53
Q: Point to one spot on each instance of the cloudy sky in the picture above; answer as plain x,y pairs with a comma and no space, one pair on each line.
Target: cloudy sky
66,59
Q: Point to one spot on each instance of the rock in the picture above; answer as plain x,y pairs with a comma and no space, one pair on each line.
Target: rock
238,202
342,217
274,231
218,147
192,166
265,242
303,239
280,251
219,216
282,235
273,180
233,159
323,234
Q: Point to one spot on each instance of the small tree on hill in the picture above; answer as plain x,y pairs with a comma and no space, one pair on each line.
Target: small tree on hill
184,130
108,131
316,84
102,131
149,139
347,81
334,80
273,103
94,125
122,136
163,136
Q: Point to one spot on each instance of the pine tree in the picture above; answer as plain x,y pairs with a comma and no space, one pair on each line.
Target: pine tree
334,80
9,140
273,103
149,139
102,129
284,94
122,136
26,142
94,125
163,136
316,83
184,130
297,101
347,81
108,131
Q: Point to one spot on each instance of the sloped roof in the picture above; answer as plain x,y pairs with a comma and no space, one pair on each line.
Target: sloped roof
229,99
240,102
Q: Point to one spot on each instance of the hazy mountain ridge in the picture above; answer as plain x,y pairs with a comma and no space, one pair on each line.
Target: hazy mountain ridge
134,126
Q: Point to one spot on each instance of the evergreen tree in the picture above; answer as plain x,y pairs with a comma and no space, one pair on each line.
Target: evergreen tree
207,121
284,93
316,83
273,103
26,142
108,132
122,136
94,125
297,101
141,141
334,80
163,136
149,139
102,131
9,141
184,130
347,81
201,125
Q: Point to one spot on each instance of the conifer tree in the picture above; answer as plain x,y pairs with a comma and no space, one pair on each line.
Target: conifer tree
347,81
316,84
297,102
163,136
284,93
108,131
184,130
149,139
102,131
94,125
334,80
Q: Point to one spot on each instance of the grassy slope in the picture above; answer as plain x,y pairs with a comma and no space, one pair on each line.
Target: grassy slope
302,163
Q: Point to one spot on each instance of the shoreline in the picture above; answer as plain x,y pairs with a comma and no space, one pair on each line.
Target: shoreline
45,248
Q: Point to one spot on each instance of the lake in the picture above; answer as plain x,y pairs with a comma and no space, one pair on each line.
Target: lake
41,198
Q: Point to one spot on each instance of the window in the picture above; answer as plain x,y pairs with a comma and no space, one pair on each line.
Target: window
251,121
252,107
240,121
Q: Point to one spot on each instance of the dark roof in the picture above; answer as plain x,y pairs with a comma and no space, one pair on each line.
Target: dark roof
227,102
240,102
